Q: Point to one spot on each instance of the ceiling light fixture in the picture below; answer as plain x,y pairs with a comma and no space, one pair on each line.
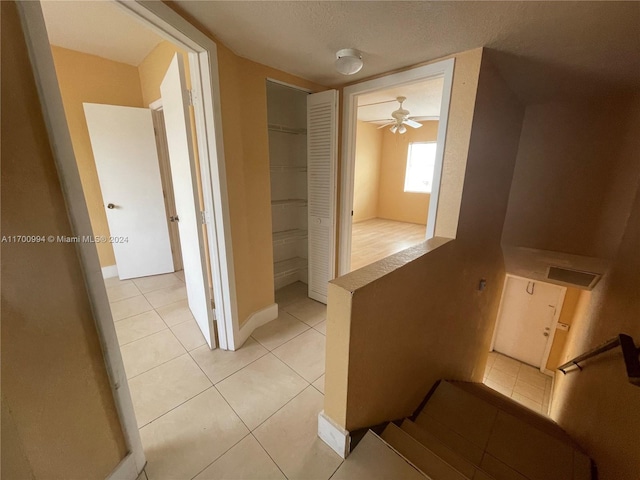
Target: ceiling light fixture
348,61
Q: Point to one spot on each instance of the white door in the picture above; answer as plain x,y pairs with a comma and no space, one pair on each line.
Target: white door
322,148
124,148
527,315
175,105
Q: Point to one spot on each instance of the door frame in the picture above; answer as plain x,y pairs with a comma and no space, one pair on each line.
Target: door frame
206,95
157,115
442,69
554,325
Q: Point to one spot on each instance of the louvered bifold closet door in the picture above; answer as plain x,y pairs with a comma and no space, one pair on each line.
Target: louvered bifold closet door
322,149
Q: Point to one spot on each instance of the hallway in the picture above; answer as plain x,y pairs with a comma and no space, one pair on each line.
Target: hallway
213,414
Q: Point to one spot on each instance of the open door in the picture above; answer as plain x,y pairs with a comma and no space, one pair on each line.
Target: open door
322,150
124,148
175,105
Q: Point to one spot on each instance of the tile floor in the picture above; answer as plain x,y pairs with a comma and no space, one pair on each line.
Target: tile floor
213,414
521,382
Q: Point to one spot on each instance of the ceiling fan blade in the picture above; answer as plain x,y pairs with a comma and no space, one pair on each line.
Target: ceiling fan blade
386,125
412,123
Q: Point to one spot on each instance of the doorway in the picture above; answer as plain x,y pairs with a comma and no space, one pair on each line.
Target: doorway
400,104
205,97
524,333
396,143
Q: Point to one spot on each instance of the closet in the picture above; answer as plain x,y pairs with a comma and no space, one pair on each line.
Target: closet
287,123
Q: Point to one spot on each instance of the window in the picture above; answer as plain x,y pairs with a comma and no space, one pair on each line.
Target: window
420,163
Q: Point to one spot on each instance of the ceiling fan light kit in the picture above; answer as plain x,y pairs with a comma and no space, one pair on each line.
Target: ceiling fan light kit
348,61
400,119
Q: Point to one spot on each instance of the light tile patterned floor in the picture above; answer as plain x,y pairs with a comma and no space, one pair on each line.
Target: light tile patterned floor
213,414
519,381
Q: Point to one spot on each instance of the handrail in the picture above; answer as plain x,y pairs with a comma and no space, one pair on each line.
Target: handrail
630,352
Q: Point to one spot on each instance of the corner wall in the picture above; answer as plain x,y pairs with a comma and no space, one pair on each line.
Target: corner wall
366,182
397,326
59,418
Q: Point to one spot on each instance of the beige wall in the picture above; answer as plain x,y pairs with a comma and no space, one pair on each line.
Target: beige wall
367,171
394,203
58,414
570,189
92,79
396,327
153,68
598,406
380,168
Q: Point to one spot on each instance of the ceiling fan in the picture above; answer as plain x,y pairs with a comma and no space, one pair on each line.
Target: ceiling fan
400,119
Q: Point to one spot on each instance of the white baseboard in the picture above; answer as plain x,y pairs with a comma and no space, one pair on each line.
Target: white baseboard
110,271
126,469
257,319
338,439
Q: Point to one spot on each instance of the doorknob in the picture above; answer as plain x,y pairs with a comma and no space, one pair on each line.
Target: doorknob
111,206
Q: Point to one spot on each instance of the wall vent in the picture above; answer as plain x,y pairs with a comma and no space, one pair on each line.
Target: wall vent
574,278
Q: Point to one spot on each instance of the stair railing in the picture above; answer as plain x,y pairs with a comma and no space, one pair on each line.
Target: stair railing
630,353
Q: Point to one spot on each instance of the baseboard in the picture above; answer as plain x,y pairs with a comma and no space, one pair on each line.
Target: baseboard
110,271
255,320
126,469
338,439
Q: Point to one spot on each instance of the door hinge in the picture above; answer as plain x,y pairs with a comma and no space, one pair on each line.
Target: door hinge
191,96
203,215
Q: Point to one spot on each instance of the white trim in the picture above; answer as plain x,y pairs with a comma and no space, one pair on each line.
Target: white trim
203,65
110,271
290,85
333,435
126,469
554,327
55,121
443,69
156,104
204,71
255,320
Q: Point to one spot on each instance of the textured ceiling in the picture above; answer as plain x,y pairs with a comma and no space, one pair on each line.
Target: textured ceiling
98,28
422,100
541,48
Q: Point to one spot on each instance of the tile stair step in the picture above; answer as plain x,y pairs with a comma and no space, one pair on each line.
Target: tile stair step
451,439
430,441
374,459
447,421
513,408
462,412
423,458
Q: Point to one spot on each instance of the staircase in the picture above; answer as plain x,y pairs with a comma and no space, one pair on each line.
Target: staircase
466,431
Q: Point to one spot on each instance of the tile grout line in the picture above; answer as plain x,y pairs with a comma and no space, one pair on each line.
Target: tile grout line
176,406
221,455
269,455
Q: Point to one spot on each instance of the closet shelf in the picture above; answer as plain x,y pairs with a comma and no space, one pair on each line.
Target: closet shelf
288,236
289,202
287,168
283,129
289,266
